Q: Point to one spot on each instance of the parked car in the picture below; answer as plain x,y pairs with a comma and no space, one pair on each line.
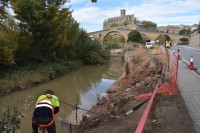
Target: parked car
148,45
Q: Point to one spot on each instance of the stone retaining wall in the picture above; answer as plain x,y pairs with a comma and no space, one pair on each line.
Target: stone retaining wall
195,39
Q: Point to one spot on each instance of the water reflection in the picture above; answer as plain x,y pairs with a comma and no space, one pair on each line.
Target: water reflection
88,99
84,83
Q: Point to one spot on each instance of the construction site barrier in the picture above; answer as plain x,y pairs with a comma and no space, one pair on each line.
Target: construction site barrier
170,66
173,70
170,71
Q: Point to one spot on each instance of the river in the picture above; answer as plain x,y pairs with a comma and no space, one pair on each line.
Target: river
82,84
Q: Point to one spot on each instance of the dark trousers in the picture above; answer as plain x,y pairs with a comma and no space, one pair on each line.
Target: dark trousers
49,129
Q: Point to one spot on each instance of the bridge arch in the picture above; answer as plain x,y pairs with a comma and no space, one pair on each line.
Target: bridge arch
100,35
103,38
162,38
183,41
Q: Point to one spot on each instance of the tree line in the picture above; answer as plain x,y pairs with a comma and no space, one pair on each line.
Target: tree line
44,29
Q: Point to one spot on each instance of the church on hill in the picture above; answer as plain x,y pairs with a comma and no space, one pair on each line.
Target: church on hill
121,22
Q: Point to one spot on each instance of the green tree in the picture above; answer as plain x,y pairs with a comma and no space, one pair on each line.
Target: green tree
9,36
51,30
185,32
149,24
8,41
6,57
135,36
87,50
79,47
44,21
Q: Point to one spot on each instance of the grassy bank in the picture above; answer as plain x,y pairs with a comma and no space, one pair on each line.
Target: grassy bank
22,77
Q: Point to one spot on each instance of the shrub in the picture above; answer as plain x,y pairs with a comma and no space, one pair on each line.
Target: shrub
6,57
135,36
10,121
91,52
111,45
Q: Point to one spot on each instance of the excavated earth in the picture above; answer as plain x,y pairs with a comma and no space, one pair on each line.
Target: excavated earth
142,72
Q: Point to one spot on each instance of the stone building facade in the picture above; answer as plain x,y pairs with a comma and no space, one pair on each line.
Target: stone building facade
174,29
195,39
169,29
123,21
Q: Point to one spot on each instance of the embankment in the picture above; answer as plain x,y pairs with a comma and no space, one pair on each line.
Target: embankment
142,72
23,77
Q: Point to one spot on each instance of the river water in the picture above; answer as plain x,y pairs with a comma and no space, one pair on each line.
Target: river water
82,84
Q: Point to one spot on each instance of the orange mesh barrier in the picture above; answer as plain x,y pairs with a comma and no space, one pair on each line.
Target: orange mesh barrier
173,71
167,89
170,88
170,65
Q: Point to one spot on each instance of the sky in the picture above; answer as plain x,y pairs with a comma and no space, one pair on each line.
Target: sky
91,16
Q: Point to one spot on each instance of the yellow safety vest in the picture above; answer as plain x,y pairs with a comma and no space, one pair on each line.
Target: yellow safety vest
45,101
167,44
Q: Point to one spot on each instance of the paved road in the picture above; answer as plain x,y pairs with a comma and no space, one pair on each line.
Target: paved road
187,51
189,82
189,86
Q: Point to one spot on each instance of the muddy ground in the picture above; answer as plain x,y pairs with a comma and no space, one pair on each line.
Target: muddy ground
142,72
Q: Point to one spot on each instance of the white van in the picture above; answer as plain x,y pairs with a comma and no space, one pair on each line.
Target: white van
148,45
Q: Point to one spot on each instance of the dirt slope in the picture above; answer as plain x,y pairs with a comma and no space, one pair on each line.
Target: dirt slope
143,71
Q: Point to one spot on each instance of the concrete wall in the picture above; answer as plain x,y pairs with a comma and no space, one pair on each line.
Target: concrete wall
195,39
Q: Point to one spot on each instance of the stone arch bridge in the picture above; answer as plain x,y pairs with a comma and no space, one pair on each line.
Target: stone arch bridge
100,35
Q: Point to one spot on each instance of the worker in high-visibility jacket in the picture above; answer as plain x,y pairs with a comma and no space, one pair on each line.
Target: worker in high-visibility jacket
43,116
167,44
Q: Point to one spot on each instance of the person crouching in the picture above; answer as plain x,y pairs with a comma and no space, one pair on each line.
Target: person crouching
43,115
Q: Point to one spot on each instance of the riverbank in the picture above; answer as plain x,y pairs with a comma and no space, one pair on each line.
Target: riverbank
113,115
23,77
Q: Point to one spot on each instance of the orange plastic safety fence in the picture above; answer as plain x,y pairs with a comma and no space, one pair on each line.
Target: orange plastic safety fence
170,88
167,88
170,64
173,70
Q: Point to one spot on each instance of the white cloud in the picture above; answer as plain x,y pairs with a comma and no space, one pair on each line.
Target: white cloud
93,15
159,11
173,11
151,9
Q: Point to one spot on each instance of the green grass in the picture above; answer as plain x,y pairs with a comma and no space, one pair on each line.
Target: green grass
24,77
